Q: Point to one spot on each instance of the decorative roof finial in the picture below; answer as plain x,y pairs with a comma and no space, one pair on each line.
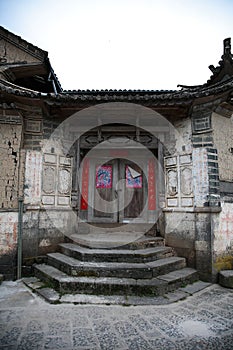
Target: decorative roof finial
227,46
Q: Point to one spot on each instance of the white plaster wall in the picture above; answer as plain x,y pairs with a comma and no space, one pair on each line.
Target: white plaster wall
223,229
8,231
183,135
33,173
200,176
223,141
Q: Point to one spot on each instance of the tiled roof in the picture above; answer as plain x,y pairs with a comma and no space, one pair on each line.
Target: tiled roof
101,96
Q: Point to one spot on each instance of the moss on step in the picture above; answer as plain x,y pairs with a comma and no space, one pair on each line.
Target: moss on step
224,263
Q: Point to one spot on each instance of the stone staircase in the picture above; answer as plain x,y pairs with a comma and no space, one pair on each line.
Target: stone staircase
143,269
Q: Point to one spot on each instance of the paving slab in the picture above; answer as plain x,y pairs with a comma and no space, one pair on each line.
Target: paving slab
195,287
176,296
203,320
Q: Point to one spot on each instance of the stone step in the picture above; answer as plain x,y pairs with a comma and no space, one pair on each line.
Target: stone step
123,240
90,227
112,286
180,277
53,297
146,270
226,278
115,255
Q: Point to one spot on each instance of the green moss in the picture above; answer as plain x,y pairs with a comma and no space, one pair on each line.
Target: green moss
85,274
224,263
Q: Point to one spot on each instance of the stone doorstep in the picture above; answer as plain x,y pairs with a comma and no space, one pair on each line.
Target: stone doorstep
108,241
113,286
115,255
74,267
51,296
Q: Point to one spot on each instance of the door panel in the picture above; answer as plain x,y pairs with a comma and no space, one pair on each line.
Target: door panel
133,191
117,191
103,190
103,176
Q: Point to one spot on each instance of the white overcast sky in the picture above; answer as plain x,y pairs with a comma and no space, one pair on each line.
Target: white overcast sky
124,44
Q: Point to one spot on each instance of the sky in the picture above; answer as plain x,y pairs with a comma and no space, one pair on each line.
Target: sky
124,44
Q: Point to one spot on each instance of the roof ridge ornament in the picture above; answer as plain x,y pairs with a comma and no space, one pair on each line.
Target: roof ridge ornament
224,70
227,47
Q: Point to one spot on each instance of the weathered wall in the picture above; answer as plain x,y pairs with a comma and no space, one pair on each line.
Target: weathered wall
193,190
48,218
42,176
223,238
180,234
8,243
178,166
223,223
200,176
10,53
223,140
11,185
10,138
179,216
43,230
32,184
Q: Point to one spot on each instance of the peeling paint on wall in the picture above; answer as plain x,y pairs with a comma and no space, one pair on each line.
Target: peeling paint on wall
223,140
223,229
32,188
8,232
200,176
10,137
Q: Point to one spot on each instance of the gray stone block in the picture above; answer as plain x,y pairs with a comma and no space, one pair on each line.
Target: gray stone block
226,278
195,287
49,295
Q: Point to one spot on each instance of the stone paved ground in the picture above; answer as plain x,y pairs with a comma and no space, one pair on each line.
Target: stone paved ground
202,321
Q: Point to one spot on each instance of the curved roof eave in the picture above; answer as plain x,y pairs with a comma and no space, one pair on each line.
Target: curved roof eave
163,96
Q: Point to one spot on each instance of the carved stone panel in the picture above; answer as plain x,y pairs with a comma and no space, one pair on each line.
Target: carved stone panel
179,180
50,158
186,181
48,200
171,161
33,126
64,181
48,179
172,182
56,179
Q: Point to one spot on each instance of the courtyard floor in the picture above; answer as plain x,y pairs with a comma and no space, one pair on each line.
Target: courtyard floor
202,321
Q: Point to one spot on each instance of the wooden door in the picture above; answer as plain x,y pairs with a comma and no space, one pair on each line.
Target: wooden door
103,179
133,192
117,191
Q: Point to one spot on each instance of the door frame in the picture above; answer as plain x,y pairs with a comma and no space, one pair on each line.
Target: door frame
118,171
